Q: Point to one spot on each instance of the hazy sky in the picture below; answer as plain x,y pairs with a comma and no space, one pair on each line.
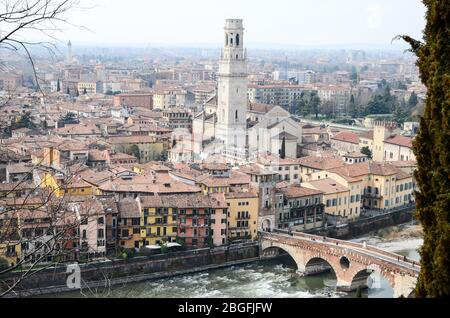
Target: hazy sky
292,22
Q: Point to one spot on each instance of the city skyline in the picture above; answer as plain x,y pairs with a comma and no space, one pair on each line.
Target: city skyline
306,24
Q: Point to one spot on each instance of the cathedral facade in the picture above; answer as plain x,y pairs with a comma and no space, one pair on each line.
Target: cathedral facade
226,130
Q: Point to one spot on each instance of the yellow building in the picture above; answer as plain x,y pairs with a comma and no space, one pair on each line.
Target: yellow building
336,197
89,87
10,252
145,148
243,211
158,221
10,247
373,185
62,187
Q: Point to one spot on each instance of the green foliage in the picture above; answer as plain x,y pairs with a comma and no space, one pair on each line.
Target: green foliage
432,149
283,149
382,103
210,242
309,104
353,108
400,114
366,151
413,100
354,75
164,249
68,117
3,264
127,253
23,122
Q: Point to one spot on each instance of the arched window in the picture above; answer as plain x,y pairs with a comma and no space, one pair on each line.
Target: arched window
226,39
237,40
231,39
237,116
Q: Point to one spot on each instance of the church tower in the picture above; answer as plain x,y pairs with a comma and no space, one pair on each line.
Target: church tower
69,52
232,93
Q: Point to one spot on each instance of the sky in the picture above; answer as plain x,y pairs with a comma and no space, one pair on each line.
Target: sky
286,22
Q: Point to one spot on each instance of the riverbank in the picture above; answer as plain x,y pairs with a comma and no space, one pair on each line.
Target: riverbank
115,272
404,239
367,225
257,280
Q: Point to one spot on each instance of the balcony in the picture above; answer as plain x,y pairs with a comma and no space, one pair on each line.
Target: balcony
173,224
243,218
11,254
239,229
371,195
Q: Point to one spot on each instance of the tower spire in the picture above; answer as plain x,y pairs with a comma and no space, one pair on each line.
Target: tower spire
69,52
232,92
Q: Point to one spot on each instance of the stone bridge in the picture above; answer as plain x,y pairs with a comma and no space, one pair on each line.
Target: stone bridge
352,263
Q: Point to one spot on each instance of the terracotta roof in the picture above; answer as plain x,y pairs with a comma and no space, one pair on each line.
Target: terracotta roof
400,141
367,135
79,129
296,191
328,186
97,155
147,184
182,201
345,136
259,108
361,169
321,162
236,178
131,139
255,169
129,209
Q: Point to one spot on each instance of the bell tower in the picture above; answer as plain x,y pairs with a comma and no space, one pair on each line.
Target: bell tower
232,93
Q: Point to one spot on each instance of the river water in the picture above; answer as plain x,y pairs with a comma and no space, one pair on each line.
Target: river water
262,280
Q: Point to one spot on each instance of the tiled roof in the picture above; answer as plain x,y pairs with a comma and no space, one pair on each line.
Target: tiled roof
345,136
328,186
321,162
296,191
400,141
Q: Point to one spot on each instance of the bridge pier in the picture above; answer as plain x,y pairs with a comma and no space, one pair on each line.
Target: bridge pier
352,263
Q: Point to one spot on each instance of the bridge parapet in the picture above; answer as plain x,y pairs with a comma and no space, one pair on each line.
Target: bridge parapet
348,260
349,244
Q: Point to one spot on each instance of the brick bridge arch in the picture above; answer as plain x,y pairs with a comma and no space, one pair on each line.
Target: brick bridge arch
358,260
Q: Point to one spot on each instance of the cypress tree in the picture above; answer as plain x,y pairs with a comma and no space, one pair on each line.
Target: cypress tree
432,149
283,149
413,100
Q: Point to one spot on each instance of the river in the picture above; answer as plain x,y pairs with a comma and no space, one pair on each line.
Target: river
267,280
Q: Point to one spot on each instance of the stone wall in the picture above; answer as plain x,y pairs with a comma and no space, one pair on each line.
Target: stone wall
367,225
136,269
